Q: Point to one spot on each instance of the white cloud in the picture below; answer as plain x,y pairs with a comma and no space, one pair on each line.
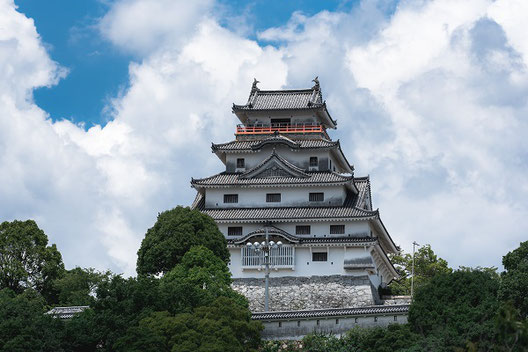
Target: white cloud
143,26
430,101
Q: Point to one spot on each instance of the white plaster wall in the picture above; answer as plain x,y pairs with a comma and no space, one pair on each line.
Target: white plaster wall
317,229
304,266
300,158
296,329
291,196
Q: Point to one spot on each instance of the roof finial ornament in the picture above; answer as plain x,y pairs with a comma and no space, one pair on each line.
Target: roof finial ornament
316,81
254,86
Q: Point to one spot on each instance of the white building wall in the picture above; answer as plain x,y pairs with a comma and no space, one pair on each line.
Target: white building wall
300,158
317,229
304,266
290,196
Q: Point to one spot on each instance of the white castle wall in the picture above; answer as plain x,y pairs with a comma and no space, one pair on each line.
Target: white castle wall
300,158
303,264
290,197
317,229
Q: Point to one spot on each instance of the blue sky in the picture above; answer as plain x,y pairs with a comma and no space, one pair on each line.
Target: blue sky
108,108
98,71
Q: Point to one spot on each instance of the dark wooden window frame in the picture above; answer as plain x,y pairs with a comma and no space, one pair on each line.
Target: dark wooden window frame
230,198
316,197
337,229
273,197
303,229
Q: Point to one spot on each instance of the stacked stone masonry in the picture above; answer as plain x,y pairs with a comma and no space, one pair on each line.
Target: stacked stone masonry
300,293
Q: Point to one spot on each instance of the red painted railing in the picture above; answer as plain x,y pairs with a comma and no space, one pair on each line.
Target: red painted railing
241,129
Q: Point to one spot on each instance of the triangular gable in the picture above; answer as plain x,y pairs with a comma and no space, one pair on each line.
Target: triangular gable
275,166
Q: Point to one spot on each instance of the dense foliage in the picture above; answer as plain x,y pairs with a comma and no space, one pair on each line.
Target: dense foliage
514,281
426,265
173,234
26,260
190,306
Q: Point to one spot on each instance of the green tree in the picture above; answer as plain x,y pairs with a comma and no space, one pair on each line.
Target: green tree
77,287
26,260
200,278
120,304
223,325
23,325
454,308
514,281
426,265
173,234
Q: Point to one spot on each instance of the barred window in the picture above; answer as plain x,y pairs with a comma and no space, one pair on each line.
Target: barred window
319,256
234,231
337,229
230,198
313,161
302,230
273,197
316,197
241,163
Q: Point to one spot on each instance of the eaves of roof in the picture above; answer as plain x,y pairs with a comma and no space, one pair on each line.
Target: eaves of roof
318,178
331,312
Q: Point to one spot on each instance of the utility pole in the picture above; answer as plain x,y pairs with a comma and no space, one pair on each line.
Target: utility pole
265,247
266,266
412,269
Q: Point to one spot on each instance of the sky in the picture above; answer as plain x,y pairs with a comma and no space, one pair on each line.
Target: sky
108,108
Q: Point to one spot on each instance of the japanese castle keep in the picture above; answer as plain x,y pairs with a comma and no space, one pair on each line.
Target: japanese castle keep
287,180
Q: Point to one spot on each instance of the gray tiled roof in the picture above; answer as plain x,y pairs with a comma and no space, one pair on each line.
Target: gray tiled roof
285,213
249,145
233,179
282,100
332,312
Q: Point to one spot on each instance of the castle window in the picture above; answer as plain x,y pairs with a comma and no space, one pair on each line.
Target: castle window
230,198
313,161
316,197
337,229
241,163
273,197
319,256
234,231
302,230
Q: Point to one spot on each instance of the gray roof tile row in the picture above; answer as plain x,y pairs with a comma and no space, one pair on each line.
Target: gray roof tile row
282,100
234,179
247,145
285,213
332,312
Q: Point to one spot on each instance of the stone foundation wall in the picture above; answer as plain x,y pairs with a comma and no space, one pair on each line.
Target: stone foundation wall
316,292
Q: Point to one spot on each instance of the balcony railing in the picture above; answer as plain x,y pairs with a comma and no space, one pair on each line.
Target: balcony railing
282,128
282,257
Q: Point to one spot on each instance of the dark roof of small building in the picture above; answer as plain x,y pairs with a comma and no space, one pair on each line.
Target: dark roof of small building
234,179
66,312
332,312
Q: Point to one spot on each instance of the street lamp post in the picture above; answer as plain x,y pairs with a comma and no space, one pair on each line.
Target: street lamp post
412,270
265,248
